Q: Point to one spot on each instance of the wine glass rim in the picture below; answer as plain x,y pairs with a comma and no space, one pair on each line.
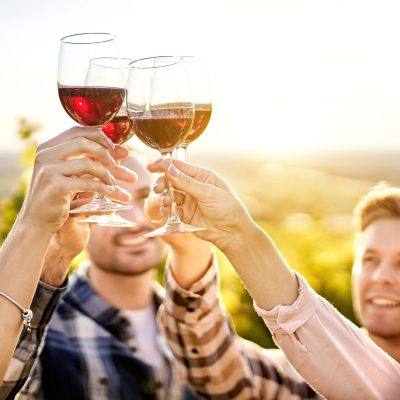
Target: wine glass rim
190,57
70,39
129,60
134,64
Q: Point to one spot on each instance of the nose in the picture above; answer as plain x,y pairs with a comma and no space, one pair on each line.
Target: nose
135,214
385,272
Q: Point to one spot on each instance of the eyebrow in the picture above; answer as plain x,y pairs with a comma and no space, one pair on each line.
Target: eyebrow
374,251
370,251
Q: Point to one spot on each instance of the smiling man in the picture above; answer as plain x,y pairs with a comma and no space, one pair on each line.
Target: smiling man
376,272
103,341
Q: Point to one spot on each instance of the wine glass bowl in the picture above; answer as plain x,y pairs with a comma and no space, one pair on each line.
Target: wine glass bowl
91,106
196,70
118,129
161,112
91,97
89,100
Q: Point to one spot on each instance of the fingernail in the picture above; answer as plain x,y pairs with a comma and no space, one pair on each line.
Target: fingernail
110,143
173,170
110,188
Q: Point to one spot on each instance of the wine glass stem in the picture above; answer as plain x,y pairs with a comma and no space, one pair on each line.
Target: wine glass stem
100,198
181,152
173,217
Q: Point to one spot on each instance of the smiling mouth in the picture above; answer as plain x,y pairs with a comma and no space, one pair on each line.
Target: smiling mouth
382,302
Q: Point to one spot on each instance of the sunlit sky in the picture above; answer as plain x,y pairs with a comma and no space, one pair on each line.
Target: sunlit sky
286,75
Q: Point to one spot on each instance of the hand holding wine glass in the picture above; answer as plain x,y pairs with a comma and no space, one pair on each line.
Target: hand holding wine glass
161,111
118,129
59,174
91,100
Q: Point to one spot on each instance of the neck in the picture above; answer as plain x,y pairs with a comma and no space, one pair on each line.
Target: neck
390,345
122,291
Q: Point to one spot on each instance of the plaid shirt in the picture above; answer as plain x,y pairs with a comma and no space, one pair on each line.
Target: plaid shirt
212,359
43,304
89,353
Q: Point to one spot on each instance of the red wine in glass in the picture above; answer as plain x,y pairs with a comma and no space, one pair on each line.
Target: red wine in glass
165,127
202,115
196,70
161,110
91,106
119,129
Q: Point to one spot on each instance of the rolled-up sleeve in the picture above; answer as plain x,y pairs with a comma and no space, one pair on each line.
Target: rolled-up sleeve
331,353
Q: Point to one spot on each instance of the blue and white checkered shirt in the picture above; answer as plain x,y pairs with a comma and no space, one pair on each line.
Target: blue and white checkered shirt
89,353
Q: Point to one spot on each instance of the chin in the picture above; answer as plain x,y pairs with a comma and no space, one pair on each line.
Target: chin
382,329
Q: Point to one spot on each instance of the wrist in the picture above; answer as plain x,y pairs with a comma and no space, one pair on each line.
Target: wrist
55,269
190,264
29,221
31,227
234,240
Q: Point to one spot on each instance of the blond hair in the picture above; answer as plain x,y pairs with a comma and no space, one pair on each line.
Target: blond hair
382,201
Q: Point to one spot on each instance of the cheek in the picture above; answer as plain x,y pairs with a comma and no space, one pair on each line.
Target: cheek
99,239
361,283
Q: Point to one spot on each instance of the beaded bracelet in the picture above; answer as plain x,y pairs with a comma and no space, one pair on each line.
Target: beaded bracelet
27,314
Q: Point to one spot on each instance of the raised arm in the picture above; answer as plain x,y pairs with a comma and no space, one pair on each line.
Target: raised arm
56,178
333,355
210,357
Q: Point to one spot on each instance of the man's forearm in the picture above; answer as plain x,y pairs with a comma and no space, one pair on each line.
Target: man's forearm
56,266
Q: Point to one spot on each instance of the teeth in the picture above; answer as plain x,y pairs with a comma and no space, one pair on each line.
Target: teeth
384,302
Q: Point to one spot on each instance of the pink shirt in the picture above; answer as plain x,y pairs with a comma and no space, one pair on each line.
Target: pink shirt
331,353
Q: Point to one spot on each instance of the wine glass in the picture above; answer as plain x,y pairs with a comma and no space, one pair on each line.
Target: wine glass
161,112
196,69
94,101
118,129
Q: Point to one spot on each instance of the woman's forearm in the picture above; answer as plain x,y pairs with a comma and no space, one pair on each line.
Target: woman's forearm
261,267
21,260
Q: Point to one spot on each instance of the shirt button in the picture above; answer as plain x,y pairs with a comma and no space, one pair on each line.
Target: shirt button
103,380
159,385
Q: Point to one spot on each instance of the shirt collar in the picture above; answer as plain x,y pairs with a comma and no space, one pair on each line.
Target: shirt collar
83,297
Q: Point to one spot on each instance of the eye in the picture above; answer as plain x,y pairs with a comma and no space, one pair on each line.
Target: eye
370,260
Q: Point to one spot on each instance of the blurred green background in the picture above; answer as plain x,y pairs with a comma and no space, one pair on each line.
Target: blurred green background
303,201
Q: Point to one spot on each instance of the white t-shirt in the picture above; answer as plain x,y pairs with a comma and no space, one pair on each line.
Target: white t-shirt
144,324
